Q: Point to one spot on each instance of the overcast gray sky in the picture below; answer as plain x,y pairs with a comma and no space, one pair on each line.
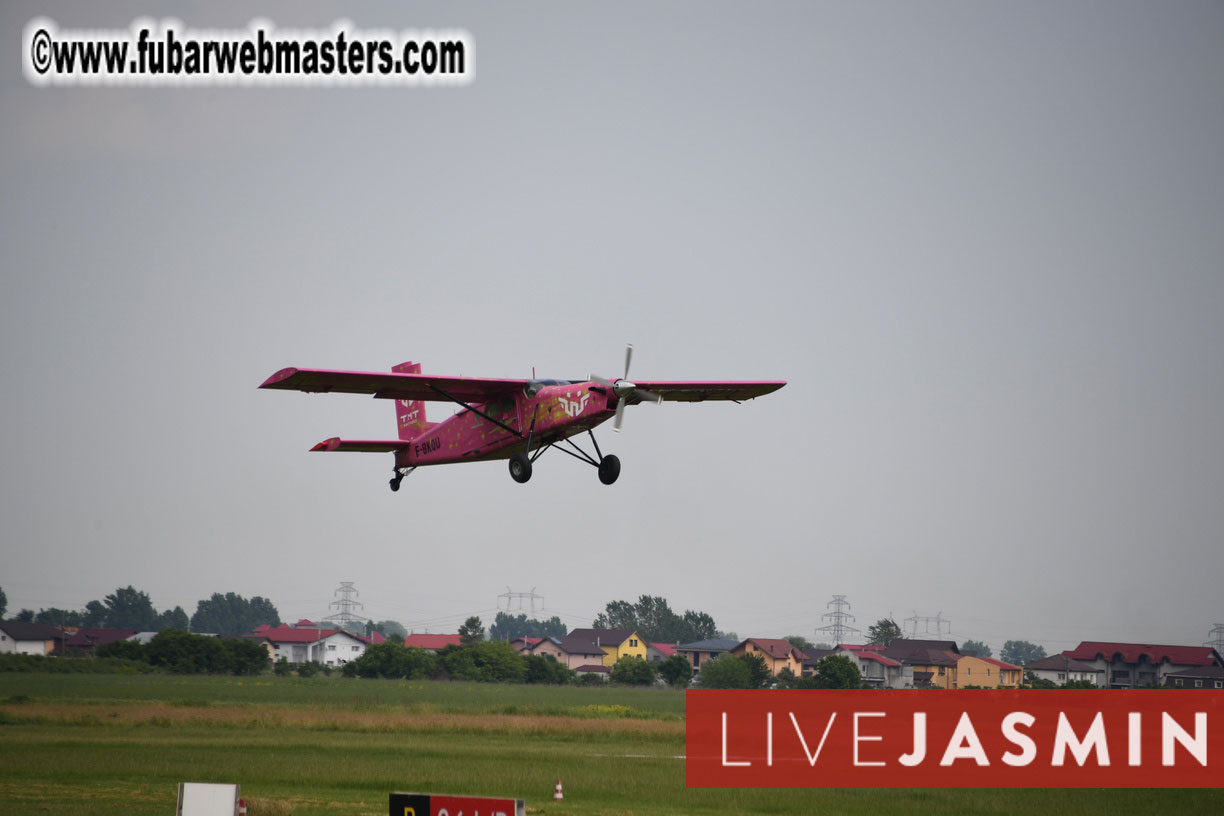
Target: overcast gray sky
984,243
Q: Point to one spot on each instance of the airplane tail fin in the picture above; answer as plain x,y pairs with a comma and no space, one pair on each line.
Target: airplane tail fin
409,414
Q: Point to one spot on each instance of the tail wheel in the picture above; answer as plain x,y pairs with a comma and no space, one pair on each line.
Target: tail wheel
609,469
520,468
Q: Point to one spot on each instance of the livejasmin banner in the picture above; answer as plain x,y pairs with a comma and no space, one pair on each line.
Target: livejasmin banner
1029,738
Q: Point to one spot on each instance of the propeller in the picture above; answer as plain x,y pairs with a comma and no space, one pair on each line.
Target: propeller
626,390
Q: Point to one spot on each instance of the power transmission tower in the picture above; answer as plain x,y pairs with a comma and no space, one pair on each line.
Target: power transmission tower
1216,638
931,625
346,605
838,629
509,596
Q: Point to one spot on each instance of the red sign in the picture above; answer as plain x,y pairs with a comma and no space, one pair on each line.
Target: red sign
434,804
1029,738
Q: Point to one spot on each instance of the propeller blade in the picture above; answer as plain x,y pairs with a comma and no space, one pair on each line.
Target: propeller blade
648,396
628,357
601,381
620,413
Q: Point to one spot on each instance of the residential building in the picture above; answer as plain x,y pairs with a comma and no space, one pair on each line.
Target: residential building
330,647
658,652
813,656
1059,669
877,670
85,641
778,654
1205,677
613,644
432,643
700,652
933,662
29,638
987,672
1141,665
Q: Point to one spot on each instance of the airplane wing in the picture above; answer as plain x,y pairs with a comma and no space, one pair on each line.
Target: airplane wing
391,386
361,445
700,391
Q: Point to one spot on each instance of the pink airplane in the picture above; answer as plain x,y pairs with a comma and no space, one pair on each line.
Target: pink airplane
501,419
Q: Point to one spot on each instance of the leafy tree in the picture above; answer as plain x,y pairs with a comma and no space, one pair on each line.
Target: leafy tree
509,627
388,628
883,632
976,648
725,672
395,637
25,616
172,619
472,631
546,669
828,646
245,656
487,661
786,679
3,603
676,671
184,653
58,617
231,615
759,675
1033,681
95,615
389,659
632,670
799,642
124,649
282,668
1021,652
129,608
308,669
837,672
1079,684
654,620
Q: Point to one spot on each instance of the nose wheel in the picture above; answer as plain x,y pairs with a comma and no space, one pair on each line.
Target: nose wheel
609,469
520,468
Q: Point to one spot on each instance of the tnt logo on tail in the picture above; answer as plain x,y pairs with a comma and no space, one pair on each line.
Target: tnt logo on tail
409,414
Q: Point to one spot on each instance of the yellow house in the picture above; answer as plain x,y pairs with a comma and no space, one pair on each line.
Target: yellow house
934,662
614,643
987,673
778,654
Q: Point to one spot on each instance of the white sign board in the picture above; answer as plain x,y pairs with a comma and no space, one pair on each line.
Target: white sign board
207,799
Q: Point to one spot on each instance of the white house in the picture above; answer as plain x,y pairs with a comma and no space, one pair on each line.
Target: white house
28,638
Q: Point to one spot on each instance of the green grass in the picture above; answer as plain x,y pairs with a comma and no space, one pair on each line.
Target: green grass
121,744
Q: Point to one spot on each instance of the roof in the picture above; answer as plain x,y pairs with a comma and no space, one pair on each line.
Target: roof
85,638
923,652
811,656
1204,672
592,668
776,648
1061,662
873,656
529,642
665,649
30,631
433,642
1002,664
288,634
1137,652
605,637
712,645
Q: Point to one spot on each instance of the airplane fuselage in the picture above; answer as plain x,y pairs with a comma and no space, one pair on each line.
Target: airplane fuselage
491,431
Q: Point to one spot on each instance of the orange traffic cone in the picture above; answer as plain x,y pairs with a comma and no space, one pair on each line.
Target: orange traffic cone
558,794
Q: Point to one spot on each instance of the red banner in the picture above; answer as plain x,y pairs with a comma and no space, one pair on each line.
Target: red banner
1029,738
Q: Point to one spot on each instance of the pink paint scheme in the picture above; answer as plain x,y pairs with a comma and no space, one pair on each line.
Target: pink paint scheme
500,419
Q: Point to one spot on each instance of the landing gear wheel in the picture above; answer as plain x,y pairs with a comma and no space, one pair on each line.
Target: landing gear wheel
520,468
609,469
395,484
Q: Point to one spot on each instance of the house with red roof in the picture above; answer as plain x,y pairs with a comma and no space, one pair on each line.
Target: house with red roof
300,644
86,640
432,643
876,669
657,652
1140,665
987,672
778,654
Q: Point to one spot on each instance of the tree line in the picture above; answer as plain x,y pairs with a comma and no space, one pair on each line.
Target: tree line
228,615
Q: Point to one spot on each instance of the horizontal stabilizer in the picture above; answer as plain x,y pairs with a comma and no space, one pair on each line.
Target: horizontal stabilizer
361,445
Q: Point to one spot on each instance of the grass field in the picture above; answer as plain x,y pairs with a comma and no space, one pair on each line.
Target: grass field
113,744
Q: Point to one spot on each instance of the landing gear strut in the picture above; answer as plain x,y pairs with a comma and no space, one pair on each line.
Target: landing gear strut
609,467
